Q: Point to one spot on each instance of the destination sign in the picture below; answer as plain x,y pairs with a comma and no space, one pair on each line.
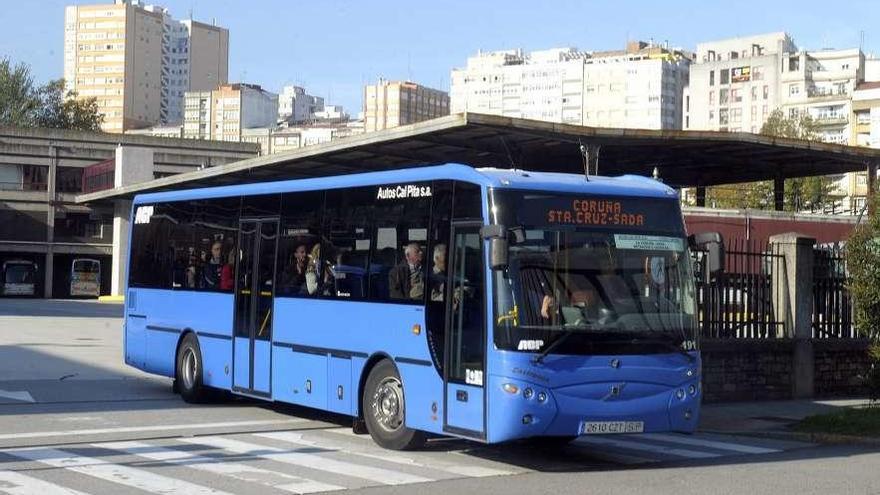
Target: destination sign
601,212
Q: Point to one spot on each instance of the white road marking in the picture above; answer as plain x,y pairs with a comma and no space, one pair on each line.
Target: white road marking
699,442
633,445
222,467
311,461
114,473
384,455
23,396
18,484
144,429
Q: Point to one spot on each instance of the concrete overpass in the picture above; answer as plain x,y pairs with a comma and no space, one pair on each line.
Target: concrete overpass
41,172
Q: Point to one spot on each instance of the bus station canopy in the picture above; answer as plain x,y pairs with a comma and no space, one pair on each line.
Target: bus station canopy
682,158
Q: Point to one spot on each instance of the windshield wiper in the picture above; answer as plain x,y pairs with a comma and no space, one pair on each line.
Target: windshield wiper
541,355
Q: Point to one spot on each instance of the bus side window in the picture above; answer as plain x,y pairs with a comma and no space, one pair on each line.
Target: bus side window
215,231
401,226
300,244
348,236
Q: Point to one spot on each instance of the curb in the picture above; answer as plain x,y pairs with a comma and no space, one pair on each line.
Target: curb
797,436
111,299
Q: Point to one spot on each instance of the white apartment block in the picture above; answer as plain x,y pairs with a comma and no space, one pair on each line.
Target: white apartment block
639,87
295,105
224,113
137,61
736,83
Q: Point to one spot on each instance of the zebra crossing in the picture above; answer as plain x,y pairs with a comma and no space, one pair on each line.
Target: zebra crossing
312,461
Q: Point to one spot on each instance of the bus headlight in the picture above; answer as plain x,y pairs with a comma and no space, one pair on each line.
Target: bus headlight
510,388
679,394
528,393
692,389
542,397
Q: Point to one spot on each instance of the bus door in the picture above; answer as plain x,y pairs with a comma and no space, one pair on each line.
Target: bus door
254,296
464,379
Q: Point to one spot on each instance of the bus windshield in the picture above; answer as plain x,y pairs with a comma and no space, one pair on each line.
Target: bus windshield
19,273
594,280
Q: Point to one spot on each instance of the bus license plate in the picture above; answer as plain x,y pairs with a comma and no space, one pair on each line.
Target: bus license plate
611,427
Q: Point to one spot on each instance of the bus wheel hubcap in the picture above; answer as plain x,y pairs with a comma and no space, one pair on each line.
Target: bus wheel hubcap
189,368
388,404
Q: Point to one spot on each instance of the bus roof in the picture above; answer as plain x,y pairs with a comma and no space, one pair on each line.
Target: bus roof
625,185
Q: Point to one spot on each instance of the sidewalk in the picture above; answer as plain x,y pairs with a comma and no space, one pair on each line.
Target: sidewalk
770,418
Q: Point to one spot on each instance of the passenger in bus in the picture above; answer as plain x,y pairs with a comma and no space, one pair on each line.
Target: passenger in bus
406,280
293,277
227,273
192,272
438,273
213,267
318,274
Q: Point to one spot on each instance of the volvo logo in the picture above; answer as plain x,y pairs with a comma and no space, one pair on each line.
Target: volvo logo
615,363
615,391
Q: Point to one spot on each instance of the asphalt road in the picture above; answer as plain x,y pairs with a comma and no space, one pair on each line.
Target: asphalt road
74,419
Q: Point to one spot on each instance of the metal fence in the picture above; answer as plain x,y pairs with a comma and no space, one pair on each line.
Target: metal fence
832,306
739,302
744,301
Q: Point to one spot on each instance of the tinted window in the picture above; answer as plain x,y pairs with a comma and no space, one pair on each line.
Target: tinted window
346,242
299,244
398,270
468,201
214,226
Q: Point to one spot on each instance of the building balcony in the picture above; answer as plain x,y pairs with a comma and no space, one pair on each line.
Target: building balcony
829,120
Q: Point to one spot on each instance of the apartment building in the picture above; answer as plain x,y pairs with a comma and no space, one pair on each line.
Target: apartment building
137,61
735,84
295,105
390,104
638,87
224,113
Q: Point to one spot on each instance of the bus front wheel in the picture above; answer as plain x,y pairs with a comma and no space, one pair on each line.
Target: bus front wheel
188,379
384,412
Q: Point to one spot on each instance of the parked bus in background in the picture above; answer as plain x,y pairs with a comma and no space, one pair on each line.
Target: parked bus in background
85,277
480,303
19,278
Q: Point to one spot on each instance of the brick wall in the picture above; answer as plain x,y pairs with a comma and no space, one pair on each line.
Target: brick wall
746,370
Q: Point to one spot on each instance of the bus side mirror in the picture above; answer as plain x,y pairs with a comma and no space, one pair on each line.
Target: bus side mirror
713,244
498,245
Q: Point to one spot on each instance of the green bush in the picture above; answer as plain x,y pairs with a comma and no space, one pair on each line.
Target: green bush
863,263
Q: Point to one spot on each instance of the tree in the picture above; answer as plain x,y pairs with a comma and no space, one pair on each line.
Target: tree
863,265
18,101
63,110
24,105
800,193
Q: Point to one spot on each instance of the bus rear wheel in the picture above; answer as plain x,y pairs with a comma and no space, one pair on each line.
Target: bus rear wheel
188,379
383,408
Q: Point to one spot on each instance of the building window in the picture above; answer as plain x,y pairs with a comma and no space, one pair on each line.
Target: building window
723,96
711,78
711,97
754,92
794,89
723,117
794,63
725,76
736,95
766,92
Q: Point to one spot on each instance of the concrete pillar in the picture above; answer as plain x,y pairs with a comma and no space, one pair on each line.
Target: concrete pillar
796,296
133,165
121,230
701,196
49,263
778,194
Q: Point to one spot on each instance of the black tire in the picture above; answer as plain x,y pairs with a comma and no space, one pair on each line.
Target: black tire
383,409
188,377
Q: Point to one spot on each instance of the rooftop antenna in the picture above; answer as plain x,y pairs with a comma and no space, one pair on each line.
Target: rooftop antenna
585,156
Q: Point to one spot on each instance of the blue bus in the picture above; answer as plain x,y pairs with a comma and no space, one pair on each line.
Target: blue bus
485,304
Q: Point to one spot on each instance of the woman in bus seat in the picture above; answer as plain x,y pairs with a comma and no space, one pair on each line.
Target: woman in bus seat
227,273
293,278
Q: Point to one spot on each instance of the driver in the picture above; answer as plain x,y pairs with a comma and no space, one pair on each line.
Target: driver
578,292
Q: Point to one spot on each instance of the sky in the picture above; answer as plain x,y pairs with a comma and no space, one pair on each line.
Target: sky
335,47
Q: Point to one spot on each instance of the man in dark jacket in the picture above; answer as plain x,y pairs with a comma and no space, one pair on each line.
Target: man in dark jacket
406,280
